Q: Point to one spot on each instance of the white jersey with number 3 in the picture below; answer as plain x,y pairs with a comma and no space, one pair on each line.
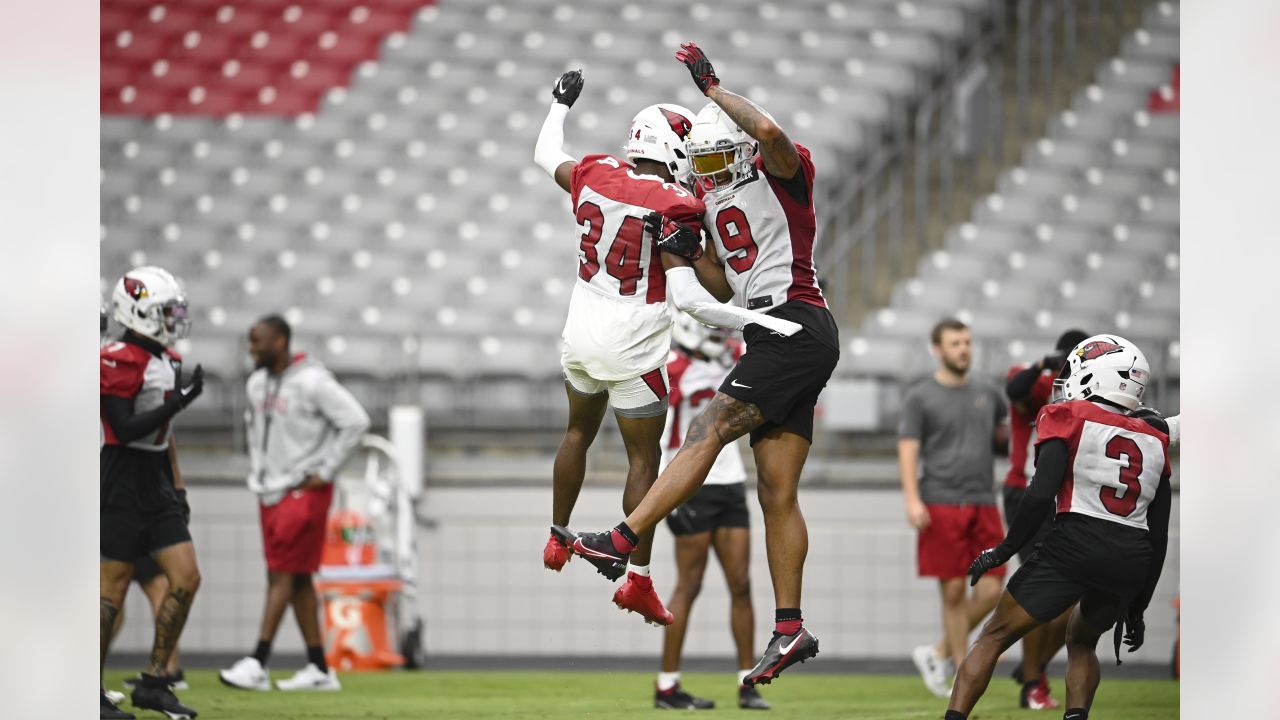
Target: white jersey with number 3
764,236
1115,464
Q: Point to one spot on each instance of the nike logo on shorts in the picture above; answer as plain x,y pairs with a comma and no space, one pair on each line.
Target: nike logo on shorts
735,383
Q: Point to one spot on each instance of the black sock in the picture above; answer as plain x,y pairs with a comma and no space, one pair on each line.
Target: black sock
628,533
263,652
1029,685
315,656
784,614
954,715
1075,714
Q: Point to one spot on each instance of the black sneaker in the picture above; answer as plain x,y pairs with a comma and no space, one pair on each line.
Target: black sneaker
177,681
109,711
678,699
783,652
749,699
153,693
596,548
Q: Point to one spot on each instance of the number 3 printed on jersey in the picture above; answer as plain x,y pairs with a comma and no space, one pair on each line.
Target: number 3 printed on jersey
735,235
1121,447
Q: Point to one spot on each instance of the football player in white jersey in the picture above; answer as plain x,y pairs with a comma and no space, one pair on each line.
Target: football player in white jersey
714,518
1109,473
618,331
758,188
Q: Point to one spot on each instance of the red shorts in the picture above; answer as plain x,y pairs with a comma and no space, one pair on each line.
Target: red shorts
293,530
956,535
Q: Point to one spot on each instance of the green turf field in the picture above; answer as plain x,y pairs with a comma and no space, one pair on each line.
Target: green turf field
629,695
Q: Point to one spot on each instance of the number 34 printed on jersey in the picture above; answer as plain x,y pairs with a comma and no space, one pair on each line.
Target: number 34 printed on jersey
623,260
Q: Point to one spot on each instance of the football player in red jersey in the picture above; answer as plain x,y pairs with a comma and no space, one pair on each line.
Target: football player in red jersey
618,330
1028,388
758,188
1109,473
141,512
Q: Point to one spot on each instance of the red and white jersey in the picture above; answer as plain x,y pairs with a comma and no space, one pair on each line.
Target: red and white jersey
764,236
610,202
1022,428
693,383
1115,464
131,371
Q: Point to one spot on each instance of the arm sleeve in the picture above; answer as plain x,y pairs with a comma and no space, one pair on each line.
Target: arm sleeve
689,295
1051,468
128,426
1175,429
1019,386
1158,524
548,151
350,420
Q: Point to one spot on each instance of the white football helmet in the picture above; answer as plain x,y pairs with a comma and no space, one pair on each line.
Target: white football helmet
151,302
1107,367
658,133
690,334
718,149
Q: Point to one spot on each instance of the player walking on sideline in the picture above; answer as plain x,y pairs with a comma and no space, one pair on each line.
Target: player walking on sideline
716,517
618,332
758,189
1109,472
140,512
302,426
951,423
1028,389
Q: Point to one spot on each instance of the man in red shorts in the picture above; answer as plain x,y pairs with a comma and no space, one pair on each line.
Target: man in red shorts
951,426
302,425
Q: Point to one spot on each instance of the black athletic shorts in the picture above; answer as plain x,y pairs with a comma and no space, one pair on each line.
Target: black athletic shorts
1100,564
783,376
138,508
714,506
144,569
1012,497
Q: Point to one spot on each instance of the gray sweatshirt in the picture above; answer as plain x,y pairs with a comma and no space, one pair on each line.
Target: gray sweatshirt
299,423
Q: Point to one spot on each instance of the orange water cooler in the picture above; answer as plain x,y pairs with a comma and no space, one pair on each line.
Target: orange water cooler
358,593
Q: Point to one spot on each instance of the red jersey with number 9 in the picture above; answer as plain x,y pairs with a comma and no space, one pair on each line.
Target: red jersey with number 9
610,201
764,236
1115,464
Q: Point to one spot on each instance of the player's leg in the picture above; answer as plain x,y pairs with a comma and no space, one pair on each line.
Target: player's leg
1095,614
955,618
178,562
1009,623
156,588
300,519
113,584
732,544
642,437
586,411
691,565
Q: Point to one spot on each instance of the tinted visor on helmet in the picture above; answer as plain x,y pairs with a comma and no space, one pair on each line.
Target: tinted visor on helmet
176,322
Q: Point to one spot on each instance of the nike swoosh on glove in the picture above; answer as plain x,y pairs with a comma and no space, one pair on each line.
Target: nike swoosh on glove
673,237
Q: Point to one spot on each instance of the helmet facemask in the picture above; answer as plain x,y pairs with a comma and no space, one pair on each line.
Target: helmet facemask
721,163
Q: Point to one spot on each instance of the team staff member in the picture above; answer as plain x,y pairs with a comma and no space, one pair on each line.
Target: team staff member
140,512
1028,388
946,440
302,426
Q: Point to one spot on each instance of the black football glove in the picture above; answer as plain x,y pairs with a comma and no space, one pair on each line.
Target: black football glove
1146,412
567,88
186,507
699,66
988,559
681,520
1131,630
673,237
188,393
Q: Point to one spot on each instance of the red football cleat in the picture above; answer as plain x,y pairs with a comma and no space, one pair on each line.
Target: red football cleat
1038,697
637,595
555,555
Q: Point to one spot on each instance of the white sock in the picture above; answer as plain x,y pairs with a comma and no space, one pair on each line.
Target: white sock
667,680
742,675
641,570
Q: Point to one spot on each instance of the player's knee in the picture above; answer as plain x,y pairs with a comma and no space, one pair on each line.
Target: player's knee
953,593
187,578
301,581
691,587
739,588
776,496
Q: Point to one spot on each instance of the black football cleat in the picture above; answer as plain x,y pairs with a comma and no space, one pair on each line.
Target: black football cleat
749,699
783,652
153,693
177,681
677,699
595,548
109,711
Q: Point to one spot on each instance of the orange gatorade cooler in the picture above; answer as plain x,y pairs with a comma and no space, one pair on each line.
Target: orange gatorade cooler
357,592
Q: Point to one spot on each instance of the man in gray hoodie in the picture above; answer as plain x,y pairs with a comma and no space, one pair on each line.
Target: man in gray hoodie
302,425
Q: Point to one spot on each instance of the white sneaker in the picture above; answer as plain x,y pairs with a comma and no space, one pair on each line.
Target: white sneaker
933,670
115,696
310,678
246,674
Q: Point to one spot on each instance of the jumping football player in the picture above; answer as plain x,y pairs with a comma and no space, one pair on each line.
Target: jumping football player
141,514
715,518
1109,472
618,331
758,188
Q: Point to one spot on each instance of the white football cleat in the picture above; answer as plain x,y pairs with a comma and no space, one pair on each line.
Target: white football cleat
115,696
311,678
246,674
933,670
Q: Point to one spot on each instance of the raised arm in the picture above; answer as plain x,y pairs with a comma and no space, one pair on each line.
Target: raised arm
548,152
780,157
